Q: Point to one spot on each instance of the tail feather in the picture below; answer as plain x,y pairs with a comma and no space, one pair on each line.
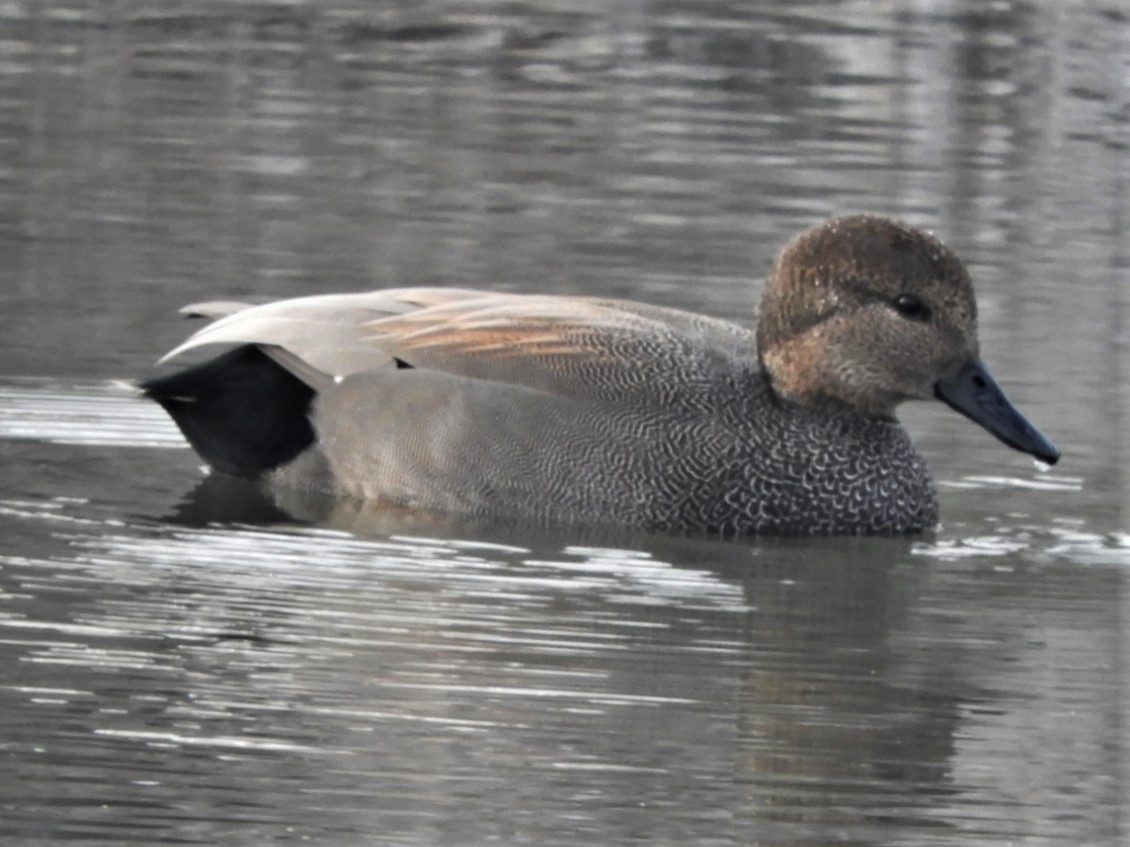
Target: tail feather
242,412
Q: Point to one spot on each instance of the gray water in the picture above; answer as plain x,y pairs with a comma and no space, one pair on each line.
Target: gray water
181,663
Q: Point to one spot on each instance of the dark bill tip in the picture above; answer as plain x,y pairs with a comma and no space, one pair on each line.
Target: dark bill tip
975,394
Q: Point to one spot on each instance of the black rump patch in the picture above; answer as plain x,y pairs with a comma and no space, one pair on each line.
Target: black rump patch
243,413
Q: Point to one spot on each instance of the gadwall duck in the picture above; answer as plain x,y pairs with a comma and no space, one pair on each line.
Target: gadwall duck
582,409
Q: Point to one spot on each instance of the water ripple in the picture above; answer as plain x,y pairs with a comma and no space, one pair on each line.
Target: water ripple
93,413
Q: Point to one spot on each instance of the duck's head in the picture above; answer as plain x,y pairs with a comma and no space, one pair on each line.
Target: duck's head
865,312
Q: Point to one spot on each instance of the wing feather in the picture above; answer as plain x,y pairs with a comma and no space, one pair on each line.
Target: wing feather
574,346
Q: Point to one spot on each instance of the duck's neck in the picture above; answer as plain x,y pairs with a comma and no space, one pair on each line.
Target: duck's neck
810,381
806,395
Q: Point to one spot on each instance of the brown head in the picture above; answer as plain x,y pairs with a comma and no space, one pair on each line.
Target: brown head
866,312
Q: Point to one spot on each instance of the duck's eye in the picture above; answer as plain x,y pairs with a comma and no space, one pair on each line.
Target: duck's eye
911,307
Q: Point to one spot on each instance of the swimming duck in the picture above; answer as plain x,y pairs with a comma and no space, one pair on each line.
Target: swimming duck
584,409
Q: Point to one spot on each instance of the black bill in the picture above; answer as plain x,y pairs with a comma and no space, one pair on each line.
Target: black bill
975,394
